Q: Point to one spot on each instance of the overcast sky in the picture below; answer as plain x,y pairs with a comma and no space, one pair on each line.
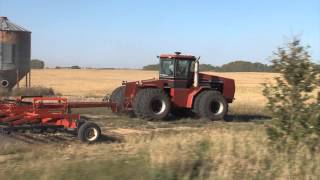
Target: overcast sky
130,34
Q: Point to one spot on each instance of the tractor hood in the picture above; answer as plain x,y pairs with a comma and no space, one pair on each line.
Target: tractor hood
153,83
228,84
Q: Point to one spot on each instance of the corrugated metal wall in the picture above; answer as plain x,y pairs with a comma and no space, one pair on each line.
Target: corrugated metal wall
15,53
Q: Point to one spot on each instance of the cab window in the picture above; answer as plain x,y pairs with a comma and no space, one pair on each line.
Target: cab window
183,68
166,68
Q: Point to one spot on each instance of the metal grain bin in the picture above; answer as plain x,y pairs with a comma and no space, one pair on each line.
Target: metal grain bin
15,50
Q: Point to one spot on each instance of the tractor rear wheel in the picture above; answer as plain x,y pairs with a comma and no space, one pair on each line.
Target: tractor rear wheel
117,97
89,132
211,105
154,104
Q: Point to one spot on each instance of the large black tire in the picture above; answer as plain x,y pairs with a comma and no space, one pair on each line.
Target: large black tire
196,104
154,104
136,102
89,132
117,96
211,105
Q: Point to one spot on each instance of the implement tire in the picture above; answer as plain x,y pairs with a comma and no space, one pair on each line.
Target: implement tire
89,132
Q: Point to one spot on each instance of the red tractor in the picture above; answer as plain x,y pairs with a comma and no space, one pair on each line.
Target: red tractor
180,88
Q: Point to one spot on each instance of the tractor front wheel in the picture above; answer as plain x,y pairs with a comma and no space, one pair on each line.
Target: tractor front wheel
89,132
137,101
117,97
211,105
154,104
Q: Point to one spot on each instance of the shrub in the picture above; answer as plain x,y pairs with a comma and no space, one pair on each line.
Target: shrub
291,101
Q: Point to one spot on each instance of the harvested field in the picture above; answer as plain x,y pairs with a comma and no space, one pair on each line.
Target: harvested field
138,149
98,83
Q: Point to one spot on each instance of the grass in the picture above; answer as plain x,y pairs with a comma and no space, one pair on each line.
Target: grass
139,149
218,151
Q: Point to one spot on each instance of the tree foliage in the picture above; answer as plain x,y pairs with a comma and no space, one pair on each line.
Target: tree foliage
208,67
37,64
75,67
318,67
236,66
245,66
151,67
291,99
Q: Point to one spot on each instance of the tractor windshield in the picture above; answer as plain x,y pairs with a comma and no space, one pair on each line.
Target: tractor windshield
182,69
166,68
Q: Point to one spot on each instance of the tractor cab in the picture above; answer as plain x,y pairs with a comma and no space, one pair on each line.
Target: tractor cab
177,67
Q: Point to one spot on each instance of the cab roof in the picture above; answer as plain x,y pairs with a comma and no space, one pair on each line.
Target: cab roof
178,56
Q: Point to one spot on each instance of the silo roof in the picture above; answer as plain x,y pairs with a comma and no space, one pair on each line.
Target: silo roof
6,25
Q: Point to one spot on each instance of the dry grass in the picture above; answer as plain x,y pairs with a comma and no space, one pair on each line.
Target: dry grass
139,149
90,83
218,151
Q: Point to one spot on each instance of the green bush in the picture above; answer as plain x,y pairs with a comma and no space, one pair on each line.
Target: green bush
291,99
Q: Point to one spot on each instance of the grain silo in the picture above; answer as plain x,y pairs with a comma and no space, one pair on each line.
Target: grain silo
15,51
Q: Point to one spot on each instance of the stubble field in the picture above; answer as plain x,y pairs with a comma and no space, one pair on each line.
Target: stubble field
98,83
138,149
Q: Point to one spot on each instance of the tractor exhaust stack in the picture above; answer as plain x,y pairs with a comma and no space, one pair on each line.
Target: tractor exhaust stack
196,73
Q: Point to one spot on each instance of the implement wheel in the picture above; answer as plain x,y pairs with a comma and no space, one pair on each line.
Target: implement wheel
89,132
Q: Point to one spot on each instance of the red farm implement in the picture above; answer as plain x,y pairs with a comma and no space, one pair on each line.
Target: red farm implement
41,114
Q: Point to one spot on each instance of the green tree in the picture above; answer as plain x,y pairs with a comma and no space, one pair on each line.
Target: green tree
37,64
235,66
291,100
245,66
75,67
318,67
151,67
208,67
